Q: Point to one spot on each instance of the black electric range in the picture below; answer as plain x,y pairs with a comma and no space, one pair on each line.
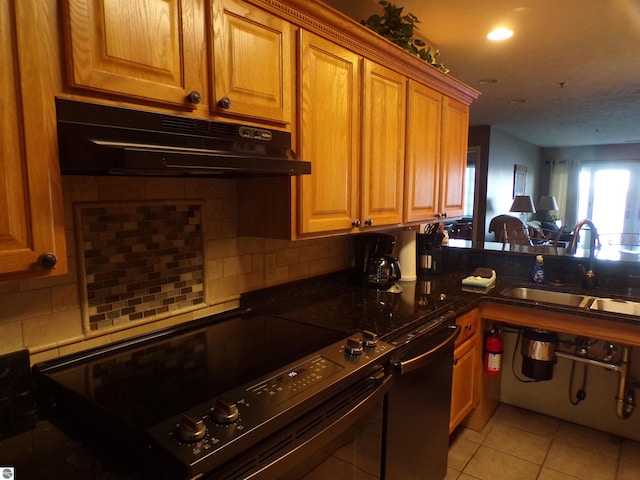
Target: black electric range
190,399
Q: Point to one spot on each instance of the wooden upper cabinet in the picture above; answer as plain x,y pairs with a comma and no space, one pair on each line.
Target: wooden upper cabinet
32,235
328,116
253,60
422,172
455,131
143,50
383,142
437,129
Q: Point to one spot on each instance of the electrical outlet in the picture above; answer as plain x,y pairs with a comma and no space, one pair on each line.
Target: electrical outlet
270,265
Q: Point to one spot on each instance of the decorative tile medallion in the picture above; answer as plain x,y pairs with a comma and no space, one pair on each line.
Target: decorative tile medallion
140,261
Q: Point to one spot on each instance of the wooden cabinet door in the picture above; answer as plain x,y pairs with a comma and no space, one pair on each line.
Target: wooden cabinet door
383,141
142,49
253,61
329,116
422,169
455,130
464,383
31,217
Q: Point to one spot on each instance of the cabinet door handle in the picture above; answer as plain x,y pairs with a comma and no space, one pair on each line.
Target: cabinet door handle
368,222
225,102
356,223
468,327
194,97
47,261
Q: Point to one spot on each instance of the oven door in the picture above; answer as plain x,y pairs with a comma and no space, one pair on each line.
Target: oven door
341,439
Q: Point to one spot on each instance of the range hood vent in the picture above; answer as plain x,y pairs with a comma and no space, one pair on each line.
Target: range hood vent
104,140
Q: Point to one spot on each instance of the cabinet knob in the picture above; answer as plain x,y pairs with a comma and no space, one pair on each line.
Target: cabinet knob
225,102
468,327
194,97
368,222
47,261
355,223
443,214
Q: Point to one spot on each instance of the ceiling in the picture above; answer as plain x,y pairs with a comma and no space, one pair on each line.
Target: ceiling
592,47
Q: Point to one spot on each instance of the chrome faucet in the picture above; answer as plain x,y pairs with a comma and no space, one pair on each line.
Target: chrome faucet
589,276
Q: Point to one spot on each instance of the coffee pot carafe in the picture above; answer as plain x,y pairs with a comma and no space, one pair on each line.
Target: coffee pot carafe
383,272
374,264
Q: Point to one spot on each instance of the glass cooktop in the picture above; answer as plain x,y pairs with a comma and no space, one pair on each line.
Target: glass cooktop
150,382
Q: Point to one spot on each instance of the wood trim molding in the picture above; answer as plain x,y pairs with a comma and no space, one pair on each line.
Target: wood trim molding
333,25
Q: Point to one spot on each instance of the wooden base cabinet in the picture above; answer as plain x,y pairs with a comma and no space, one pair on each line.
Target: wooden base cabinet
467,358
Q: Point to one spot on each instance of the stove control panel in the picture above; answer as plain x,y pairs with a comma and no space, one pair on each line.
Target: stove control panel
296,380
198,437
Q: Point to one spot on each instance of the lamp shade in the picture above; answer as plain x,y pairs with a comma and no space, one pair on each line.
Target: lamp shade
547,202
522,204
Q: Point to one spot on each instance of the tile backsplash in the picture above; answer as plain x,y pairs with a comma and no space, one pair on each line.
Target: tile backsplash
140,261
53,317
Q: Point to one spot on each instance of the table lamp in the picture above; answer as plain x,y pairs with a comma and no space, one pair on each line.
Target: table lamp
522,204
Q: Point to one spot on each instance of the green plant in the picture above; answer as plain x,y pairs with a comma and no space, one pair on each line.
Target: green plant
398,28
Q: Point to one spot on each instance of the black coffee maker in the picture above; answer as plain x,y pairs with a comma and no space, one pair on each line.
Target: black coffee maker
375,267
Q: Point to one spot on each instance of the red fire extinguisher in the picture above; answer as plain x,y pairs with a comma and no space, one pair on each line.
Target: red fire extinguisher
493,353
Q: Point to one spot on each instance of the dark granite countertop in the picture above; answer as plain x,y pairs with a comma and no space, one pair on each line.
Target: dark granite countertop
50,449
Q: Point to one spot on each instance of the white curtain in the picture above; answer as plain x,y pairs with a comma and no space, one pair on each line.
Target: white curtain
563,184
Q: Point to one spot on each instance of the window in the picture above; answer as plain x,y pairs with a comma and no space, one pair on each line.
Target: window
606,197
603,197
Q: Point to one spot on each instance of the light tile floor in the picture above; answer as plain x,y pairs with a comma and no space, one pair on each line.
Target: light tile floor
517,444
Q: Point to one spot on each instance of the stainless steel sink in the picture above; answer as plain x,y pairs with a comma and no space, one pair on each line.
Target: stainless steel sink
613,305
547,296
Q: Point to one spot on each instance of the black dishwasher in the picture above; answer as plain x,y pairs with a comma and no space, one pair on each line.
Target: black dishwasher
418,406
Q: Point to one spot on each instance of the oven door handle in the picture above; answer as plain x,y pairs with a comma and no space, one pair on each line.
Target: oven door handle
405,366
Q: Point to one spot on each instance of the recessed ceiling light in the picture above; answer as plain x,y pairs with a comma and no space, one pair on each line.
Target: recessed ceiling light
487,81
500,33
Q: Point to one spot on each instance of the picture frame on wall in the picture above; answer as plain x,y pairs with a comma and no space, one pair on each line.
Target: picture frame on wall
519,180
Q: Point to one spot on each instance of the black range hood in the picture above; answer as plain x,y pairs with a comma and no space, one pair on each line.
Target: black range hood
104,140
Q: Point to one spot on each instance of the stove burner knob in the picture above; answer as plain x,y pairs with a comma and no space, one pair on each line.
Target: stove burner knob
191,429
224,412
353,346
369,339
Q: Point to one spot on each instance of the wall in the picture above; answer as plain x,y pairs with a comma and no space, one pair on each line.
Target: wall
46,316
504,151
